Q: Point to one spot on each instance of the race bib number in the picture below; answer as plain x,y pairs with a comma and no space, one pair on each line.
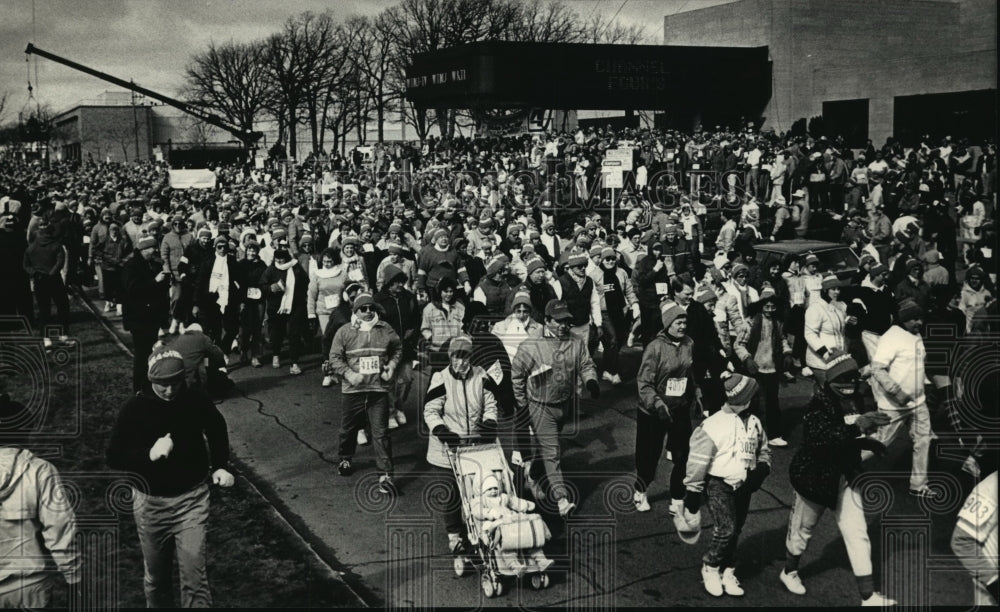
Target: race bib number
675,387
977,510
496,372
609,288
253,293
661,289
367,248
746,449
369,365
86,239
987,252
331,301
696,166
670,157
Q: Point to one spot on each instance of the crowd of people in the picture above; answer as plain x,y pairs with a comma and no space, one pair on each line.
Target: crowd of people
497,278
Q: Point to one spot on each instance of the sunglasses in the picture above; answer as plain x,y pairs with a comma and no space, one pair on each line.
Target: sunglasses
220,246
580,267
610,259
365,309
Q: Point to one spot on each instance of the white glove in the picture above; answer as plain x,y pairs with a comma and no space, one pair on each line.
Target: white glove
161,448
355,378
468,288
222,478
515,458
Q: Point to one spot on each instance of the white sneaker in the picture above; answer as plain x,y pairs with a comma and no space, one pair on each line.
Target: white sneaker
173,326
792,582
236,345
392,423
362,438
730,584
676,507
807,372
713,581
295,370
670,456
275,362
607,376
565,507
225,360
180,328
163,331
118,309
616,380
400,418
641,503
327,381
778,442
878,599
108,306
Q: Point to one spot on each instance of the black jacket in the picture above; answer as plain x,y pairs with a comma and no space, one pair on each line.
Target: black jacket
204,299
403,315
273,295
147,302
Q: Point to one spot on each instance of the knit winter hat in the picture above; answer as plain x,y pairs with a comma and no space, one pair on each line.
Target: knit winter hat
146,242
670,312
705,295
909,310
608,252
204,233
830,281
841,366
811,259
595,251
363,299
496,264
975,270
165,366
535,263
521,298
460,344
740,269
439,234
577,259
739,390
932,256
392,272
913,264
220,240
879,268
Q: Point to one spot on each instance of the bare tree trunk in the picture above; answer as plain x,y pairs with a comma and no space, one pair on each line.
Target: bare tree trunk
380,107
292,139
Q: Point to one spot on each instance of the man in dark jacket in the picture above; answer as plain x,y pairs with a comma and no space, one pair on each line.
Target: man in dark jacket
197,253
146,306
160,435
707,354
403,315
540,290
14,279
824,474
43,262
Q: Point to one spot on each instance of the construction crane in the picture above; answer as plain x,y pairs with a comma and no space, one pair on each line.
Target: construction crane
248,138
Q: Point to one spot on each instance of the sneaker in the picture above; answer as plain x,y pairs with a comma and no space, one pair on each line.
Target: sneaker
275,362
236,345
456,544
878,599
385,485
108,306
225,360
670,456
641,502
180,328
118,309
730,584
807,372
676,507
163,332
173,322
392,423
789,377
344,467
616,380
400,418
778,442
295,370
792,582
925,491
607,376
362,438
327,381
255,362
712,579
565,507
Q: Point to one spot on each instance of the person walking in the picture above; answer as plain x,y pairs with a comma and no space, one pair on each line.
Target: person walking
43,261
161,435
823,473
249,270
544,374
364,355
217,296
286,286
146,306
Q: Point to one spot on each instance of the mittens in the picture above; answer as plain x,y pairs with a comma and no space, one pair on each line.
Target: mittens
446,436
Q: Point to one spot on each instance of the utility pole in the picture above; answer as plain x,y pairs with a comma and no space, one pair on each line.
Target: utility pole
135,124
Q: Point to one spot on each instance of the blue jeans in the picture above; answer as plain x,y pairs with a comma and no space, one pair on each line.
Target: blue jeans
169,525
373,407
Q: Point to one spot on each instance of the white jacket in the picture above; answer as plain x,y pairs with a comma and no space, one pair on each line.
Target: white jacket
458,404
725,447
824,327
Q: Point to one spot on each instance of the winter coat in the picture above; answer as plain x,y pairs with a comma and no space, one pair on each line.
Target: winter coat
543,370
204,299
172,248
268,283
146,302
824,327
325,288
403,314
45,255
665,369
351,345
460,404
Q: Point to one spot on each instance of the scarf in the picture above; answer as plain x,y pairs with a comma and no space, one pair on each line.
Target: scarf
365,326
219,281
286,299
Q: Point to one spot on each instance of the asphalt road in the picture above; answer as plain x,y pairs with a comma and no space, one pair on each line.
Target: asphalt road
394,552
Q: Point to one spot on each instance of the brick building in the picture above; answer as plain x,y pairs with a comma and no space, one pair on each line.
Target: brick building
871,68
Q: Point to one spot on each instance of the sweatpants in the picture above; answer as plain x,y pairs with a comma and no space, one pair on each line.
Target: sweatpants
919,420
850,520
547,422
650,432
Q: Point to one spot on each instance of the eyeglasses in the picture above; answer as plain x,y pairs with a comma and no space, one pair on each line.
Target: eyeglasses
610,259
220,247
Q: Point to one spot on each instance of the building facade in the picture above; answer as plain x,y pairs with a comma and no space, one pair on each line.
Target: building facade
874,68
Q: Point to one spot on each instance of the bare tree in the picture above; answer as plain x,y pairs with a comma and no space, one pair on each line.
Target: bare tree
3,104
231,79
539,21
376,54
602,30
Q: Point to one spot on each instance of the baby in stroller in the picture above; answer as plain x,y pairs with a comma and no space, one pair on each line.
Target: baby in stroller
507,527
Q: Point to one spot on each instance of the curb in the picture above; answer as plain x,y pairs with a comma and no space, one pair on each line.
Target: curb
79,295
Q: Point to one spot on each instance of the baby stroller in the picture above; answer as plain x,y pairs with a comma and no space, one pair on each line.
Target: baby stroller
507,546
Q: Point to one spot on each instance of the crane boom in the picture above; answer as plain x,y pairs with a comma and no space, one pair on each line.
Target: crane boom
245,136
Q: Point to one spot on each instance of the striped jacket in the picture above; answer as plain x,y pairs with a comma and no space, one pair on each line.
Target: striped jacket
353,349
460,404
726,446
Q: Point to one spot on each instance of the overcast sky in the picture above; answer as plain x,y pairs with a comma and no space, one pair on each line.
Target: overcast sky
151,41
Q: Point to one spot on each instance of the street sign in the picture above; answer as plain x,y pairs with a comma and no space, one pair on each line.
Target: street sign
621,154
613,180
611,165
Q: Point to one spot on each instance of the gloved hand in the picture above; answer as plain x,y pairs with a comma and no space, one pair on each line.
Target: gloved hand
222,478
663,411
871,444
751,366
446,436
355,378
870,421
756,476
692,502
313,325
388,372
488,431
161,448
594,388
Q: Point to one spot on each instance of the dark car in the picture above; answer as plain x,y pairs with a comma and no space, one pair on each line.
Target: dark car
834,257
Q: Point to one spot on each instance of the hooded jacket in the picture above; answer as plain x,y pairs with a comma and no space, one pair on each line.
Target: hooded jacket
45,255
37,525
